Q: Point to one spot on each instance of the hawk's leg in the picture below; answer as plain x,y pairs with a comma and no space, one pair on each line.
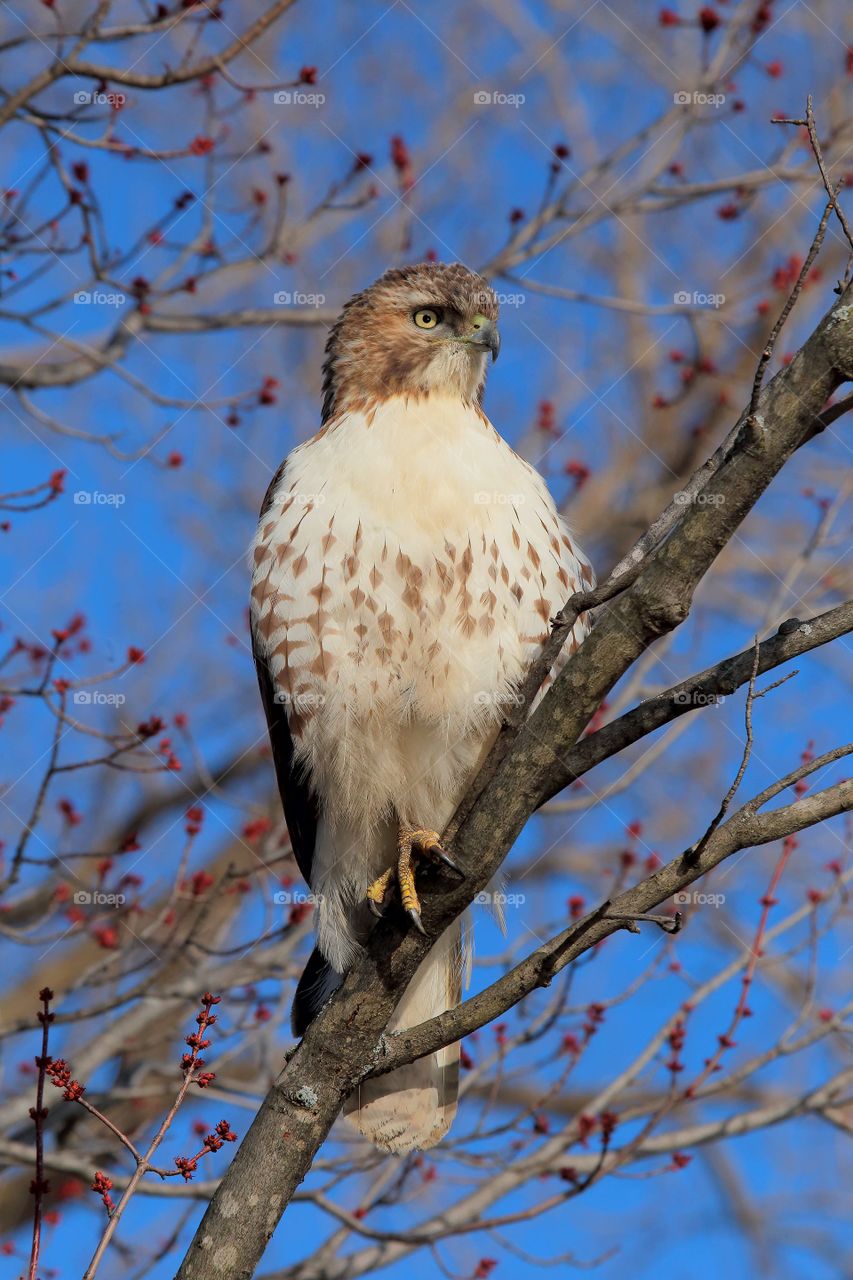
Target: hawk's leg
409,841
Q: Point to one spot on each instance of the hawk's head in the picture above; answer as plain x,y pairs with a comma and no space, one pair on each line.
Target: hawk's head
418,329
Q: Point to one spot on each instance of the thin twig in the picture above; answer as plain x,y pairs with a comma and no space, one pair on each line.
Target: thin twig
770,345
38,1114
696,852
669,924
831,191
192,1061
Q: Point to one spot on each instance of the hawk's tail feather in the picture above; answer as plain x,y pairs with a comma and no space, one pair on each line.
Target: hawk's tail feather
318,984
413,1107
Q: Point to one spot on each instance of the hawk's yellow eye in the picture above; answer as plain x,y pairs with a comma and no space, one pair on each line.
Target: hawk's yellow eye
427,318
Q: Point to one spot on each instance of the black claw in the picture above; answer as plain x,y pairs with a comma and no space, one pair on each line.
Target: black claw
435,851
415,917
447,861
376,909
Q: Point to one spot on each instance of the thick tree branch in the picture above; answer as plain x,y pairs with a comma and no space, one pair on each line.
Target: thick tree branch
35,372
793,639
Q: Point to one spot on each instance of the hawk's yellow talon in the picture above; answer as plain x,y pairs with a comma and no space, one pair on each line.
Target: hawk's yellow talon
406,871
409,841
377,891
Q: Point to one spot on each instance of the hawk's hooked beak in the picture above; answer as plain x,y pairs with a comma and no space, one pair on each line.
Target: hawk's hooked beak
485,335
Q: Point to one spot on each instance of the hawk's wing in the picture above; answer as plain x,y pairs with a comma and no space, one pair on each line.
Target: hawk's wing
294,783
319,980
301,807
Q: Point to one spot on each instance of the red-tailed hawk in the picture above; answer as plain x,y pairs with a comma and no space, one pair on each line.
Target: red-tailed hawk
406,567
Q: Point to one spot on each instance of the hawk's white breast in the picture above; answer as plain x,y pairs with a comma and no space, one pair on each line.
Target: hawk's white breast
404,577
